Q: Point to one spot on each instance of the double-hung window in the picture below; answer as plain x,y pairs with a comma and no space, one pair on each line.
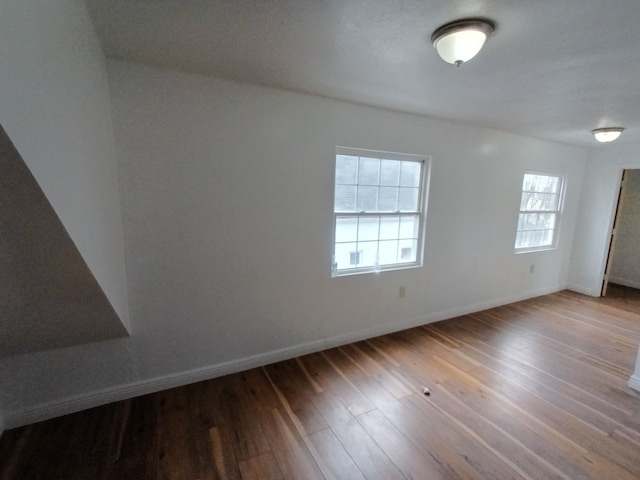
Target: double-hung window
540,209
378,211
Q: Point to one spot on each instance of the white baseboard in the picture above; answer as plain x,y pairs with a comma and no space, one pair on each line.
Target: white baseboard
37,413
634,382
583,290
625,282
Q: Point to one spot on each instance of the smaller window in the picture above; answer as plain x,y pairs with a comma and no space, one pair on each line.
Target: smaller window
540,207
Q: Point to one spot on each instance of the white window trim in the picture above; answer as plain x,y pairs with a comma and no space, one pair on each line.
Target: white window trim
423,195
558,213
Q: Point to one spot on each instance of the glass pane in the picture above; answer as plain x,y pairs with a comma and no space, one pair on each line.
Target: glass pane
541,183
539,201
529,220
528,239
548,239
527,202
345,199
368,228
550,201
388,199
528,183
551,221
389,172
520,239
368,171
409,226
346,169
369,253
346,229
367,199
408,199
538,238
410,174
388,253
342,255
389,228
407,251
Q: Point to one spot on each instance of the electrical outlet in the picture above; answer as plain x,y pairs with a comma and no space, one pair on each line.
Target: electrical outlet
402,292
532,268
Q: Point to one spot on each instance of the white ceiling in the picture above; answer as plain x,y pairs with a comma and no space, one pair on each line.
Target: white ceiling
554,69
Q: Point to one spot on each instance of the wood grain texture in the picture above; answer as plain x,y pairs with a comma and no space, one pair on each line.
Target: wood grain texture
533,390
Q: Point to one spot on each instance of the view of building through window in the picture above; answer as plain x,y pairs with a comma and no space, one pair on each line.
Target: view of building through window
377,211
539,212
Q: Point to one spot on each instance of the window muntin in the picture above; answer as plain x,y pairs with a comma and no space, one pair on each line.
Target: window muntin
378,207
540,209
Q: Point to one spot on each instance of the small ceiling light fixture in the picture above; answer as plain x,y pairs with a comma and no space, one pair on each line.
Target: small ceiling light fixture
458,42
607,134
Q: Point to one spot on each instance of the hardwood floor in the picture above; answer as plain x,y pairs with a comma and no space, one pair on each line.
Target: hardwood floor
625,298
534,390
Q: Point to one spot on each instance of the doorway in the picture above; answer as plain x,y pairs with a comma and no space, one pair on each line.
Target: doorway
622,274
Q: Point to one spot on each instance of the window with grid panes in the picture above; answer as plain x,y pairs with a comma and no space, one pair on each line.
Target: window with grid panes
540,208
378,211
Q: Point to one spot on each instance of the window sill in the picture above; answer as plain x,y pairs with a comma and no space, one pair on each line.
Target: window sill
534,250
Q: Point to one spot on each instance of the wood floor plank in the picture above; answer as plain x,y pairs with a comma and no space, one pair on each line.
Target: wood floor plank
360,446
339,463
293,457
231,407
262,467
404,454
294,389
368,359
216,458
331,377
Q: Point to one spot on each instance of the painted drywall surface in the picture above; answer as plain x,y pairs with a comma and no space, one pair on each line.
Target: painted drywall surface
49,298
634,381
227,194
625,260
55,107
595,218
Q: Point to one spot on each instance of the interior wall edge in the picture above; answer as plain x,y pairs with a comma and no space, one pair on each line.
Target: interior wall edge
634,382
37,413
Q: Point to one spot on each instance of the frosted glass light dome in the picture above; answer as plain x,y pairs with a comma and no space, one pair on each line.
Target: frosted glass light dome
605,135
460,41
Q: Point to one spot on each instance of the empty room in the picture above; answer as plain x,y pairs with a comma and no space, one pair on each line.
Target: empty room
299,239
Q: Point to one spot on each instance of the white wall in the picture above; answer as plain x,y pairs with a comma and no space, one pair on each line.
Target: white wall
595,219
634,381
55,107
625,258
227,195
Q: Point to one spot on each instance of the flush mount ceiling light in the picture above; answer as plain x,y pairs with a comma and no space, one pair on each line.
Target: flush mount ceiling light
458,42
607,134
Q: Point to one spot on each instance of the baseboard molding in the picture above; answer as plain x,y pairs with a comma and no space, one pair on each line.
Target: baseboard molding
583,290
634,382
625,282
32,414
